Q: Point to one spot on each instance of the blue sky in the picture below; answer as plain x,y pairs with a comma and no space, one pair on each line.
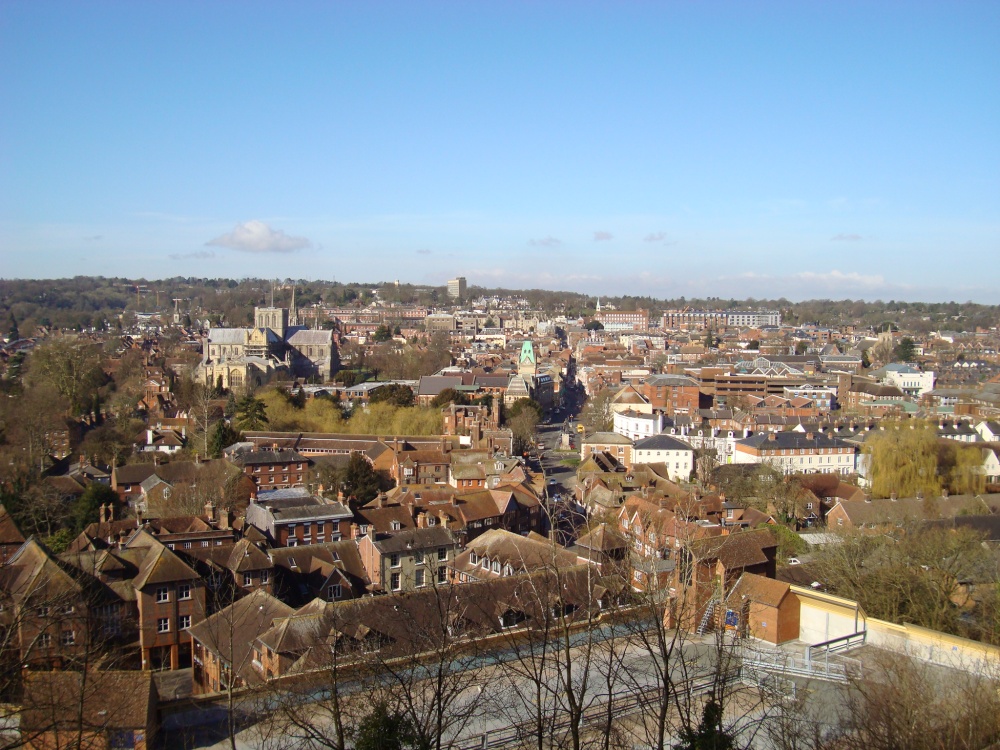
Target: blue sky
732,149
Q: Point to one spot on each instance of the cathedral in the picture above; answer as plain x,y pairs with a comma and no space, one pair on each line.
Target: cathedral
274,348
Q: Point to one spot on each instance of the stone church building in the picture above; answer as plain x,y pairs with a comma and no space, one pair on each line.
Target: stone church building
274,347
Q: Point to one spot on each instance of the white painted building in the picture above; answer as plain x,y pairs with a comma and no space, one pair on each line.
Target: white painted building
797,453
636,425
676,454
909,380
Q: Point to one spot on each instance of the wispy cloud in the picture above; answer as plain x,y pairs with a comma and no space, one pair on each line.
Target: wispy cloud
812,282
94,238
846,238
257,237
197,255
549,241
424,251
600,236
655,237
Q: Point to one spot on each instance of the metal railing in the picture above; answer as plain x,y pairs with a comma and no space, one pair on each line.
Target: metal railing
844,643
618,705
838,669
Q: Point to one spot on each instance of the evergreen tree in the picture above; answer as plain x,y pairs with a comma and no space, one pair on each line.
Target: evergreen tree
251,413
359,479
394,393
86,510
222,437
449,396
385,730
709,735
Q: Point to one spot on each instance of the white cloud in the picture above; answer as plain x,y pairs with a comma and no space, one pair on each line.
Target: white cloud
655,237
196,255
600,236
257,237
549,241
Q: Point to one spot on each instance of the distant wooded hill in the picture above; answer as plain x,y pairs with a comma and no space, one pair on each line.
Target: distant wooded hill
89,301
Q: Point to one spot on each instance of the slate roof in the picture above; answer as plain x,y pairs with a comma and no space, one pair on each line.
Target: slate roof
301,336
606,438
226,336
400,541
280,456
794,440
662,442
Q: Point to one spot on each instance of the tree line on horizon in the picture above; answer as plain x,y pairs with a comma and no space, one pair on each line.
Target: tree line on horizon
85,302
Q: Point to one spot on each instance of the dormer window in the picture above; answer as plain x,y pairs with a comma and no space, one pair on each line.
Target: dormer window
473,557
394,525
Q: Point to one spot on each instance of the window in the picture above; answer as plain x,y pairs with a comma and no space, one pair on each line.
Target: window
496,566
333,592
44,640
68,638
162,594
265,576
248,579
418,578
394,560
442,553
418,558
184,622
394,582
187,545
67,609
473,557
442,575
163,625
394,525
184,591
205,543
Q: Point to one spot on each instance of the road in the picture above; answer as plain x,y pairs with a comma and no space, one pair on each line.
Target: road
560,478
